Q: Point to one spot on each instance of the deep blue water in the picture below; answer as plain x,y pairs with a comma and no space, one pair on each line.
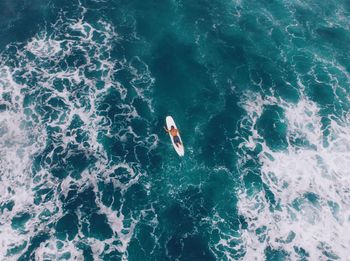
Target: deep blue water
259,91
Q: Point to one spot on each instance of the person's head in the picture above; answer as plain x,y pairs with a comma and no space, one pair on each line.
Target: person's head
172,127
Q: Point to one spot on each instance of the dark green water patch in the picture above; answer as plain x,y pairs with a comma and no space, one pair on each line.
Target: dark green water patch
253,182
195,248
177,72
287,91
87,252
113,146
43,195
35,242
276,254
8,205
21,19
85,200
115,255
270,197
174,247
335,35
198,203
65,256
67,227
111,196
136,197
303,254
98,227
76,59
178,218
145,235
321,93
271,125
19,220
216,142
16,249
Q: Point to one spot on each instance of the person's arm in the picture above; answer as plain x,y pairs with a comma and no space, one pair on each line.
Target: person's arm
166,129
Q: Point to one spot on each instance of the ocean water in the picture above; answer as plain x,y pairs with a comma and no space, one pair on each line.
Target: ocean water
260,91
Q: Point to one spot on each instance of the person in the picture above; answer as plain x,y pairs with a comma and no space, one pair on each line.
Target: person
174,133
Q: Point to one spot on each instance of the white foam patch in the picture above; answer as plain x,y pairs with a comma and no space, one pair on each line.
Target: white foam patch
16,152
48,251
123,229
310,184
43,47
141,78
23,132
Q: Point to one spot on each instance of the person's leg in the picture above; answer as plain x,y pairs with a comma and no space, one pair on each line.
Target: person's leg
177,141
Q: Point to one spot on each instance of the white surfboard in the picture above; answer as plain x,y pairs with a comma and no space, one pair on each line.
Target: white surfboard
170,122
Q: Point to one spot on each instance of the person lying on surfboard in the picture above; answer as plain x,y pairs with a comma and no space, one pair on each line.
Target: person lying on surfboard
174,133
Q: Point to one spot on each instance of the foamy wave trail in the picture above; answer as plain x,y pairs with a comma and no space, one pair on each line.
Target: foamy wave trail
293,137
296,197
71,136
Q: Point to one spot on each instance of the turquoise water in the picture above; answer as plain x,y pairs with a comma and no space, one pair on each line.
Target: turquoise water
259,91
